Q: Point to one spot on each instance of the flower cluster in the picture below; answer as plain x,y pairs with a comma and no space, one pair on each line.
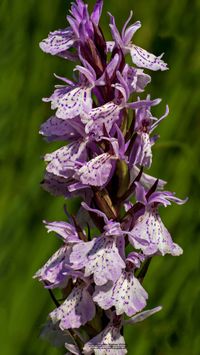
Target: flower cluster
107,135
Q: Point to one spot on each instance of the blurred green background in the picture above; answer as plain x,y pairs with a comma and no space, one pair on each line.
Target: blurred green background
26,76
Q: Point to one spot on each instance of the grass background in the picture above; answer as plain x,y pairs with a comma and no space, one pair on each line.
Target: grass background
171,26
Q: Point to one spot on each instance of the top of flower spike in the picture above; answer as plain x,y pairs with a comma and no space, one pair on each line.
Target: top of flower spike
82,28
60,41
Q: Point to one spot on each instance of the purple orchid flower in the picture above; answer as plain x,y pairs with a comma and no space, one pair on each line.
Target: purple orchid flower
140,57
145,123
150,227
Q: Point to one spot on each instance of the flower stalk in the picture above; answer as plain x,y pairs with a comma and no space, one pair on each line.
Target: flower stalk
106,134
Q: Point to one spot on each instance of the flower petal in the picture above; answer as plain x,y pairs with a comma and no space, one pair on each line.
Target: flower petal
100,257
58,41
65,160
136,79
55,128
67,232
104,261
55,185
144,59
97,171
52,272
141,154
96,14
109,341
101,118
76,310
126,294
150,228
71,103
143,315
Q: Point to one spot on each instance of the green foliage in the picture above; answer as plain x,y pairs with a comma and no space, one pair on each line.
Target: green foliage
26,76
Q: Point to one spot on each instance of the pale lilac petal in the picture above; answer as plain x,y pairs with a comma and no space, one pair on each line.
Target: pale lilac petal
104,261
146,180
78,257
97,171
143,315
76,310
136,79
55,185
140,193
142,153
127,295
136,259
71,103
103,295
65,230
109,71
52,273
100,257
109,341
57,129
154,125
144,59
74,103
101,118
94,210
96,14
150,228
63,161
127,33
165,198
115,33
89,74
58,41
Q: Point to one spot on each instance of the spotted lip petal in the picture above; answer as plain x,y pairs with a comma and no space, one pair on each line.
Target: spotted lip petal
73,103
101,118
126,294
100,258
58,41
109,341
96,172
64,161
150,228
76,310
144,59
